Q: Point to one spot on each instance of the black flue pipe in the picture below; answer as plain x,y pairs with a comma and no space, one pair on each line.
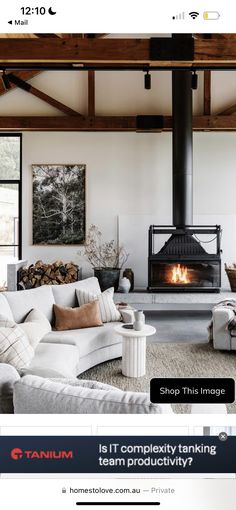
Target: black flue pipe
182,112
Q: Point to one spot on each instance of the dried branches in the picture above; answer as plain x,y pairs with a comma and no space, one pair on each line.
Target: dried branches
103,254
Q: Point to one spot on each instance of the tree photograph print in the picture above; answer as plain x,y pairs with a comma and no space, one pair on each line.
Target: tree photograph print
58,204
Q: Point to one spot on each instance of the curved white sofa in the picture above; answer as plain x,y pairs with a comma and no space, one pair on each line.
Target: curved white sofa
65,355
62,353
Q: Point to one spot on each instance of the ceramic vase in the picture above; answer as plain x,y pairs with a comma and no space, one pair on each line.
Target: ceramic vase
107,277
125,285
128,273
139,320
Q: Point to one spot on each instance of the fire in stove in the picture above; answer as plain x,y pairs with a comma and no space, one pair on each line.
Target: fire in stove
179,274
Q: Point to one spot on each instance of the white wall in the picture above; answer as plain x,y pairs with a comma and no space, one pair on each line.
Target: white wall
128,174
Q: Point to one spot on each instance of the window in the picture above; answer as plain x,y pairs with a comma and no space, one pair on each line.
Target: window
10,201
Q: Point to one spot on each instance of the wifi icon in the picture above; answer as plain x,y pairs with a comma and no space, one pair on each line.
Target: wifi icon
194,14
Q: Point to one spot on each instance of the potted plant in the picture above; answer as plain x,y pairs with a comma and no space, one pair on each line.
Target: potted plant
106,258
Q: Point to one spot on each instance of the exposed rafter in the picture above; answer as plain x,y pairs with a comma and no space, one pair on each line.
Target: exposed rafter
24,75
228,111
207,53
48,36
109,123
40,95
91,93
95,51
207,92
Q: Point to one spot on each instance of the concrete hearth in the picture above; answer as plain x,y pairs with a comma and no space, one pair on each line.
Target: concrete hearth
173,301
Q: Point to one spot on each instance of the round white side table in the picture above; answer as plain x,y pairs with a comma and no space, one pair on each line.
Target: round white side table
134,349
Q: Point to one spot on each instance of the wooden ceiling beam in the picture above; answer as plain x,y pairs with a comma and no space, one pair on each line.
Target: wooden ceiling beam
109,123
207,92
95,36
73,50
215,50
49,36
228,111
41,95
91,93
210,53
69,123
24,75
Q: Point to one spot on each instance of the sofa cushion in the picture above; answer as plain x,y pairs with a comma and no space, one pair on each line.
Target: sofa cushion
54,360
5,308
8,376
86,316
22,302
87,340
58,338
34,395
65,294
36,326
109,312
15,348
87,384
233,343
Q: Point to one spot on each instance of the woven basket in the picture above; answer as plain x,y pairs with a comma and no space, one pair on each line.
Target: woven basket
231,273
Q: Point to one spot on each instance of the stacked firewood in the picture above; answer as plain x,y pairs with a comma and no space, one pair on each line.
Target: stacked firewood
40,273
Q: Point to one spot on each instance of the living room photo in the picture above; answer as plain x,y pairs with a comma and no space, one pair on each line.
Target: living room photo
118,219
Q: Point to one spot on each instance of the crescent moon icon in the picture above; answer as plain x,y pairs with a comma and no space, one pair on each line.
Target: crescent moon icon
50,11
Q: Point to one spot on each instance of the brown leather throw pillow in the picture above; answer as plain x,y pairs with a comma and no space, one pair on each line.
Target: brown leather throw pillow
86,316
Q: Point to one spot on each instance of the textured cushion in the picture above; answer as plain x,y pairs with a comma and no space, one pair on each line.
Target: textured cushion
5,308
8,376
65,294
87,316
54,360
37,395
36,326
23,301
15,348
109,312
88,340
86,384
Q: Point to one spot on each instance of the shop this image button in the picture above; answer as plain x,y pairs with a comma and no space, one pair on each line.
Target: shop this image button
192,391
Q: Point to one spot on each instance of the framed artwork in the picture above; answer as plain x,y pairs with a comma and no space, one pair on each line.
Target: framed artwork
59,204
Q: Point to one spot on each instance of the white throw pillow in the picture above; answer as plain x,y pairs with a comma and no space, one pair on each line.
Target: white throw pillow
36,326
108,310
4,321
15,348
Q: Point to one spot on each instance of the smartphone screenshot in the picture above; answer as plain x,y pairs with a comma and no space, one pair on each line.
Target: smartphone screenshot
117,255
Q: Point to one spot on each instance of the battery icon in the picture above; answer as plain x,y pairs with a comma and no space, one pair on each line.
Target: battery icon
211,15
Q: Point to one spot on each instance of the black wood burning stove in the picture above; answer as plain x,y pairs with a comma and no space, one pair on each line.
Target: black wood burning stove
182,263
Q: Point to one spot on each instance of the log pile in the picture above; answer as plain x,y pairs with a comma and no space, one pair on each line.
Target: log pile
38,274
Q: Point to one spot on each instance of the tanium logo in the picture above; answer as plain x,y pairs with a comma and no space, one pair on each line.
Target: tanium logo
17,454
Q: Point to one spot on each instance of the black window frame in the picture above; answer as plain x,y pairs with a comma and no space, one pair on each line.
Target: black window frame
19,183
